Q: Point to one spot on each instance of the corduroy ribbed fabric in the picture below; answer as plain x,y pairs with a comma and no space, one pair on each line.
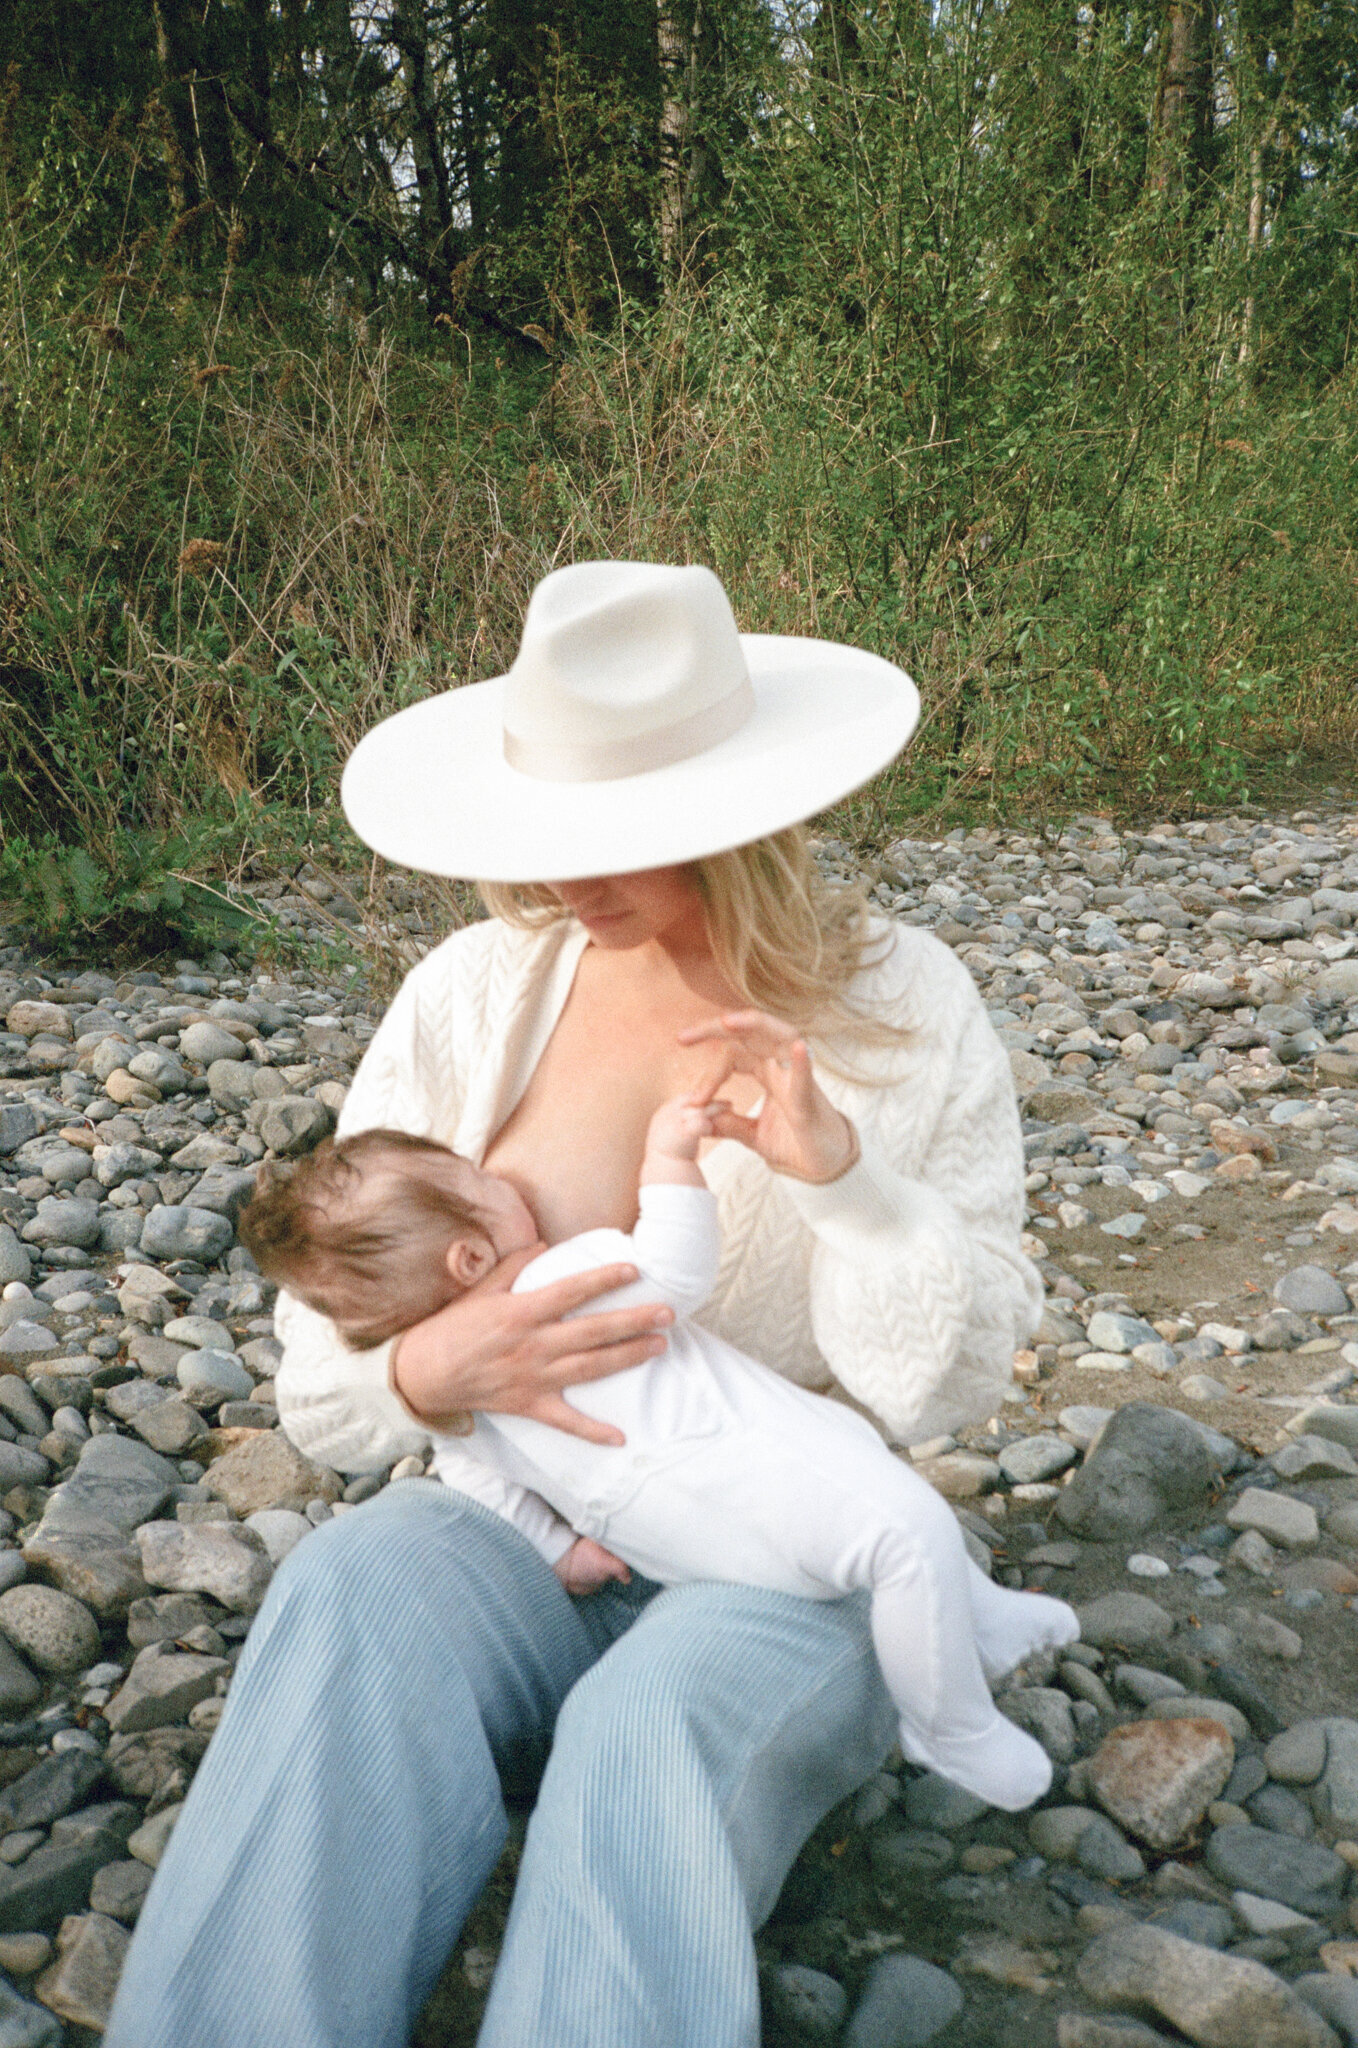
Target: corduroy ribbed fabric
349,1809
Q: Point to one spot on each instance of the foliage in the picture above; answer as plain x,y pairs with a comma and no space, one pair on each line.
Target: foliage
968,353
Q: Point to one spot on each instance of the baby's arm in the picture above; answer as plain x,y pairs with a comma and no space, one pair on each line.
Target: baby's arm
676,1244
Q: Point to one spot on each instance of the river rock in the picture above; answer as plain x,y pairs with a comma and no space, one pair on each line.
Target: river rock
161,1687
80,1984
229,1564
1035,1458
172,1231
1301,1875
1336,1795
1219,2001
1149,1462
808,2003
291,1124
53,1630
1127,1621
15,1262
205,1042
267,1471
64,1220
1311,1291
1277,1517
82,1542
1158,1778
905,2002
23,2025
1297,1756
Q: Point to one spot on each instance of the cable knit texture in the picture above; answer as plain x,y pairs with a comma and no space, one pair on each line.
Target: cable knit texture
902,1283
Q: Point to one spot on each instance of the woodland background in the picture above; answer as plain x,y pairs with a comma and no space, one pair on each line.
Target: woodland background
1011,338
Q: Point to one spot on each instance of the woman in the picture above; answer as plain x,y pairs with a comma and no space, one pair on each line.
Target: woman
409,1657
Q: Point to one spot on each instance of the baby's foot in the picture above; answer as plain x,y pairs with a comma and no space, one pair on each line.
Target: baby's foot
1001,1765
1013,1626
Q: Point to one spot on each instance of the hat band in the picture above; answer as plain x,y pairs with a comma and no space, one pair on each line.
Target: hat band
610,759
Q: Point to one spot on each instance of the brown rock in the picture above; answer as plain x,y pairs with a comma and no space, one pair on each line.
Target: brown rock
125,1088
98,1569
1243,1166
27,1019
1158,1778
80,1984
1232,1141
266,1471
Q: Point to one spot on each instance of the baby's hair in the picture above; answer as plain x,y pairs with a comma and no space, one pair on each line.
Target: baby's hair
304,1217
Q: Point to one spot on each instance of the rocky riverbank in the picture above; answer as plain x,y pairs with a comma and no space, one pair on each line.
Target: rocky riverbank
1179,1457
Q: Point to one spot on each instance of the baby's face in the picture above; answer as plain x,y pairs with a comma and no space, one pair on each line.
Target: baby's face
509,1223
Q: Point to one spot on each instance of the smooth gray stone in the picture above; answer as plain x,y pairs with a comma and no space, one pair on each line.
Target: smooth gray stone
205,1044
15,1263
1046,1714
52,1883
224,1189
49,1790
1196,1920
116,1485
932,1802
1301,1875
25,1339
119,1890
23,2025
1132,1621
21,1467
162,1687
19,1687
1311,1291
1103,1851
905,2002
1111,2030
1149,1463
113,1164
18,1124
806,2002
119,1230
1336,1795
1036,1458
172,1231
1110,1331
209,1376
1274,1807
292,1124
18,1401
171,1426
64,1220
1335,1999
909,1857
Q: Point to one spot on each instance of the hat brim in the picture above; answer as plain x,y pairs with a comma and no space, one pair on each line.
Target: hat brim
430,787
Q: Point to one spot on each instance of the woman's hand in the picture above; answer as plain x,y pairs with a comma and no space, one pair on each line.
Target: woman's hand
512,1354
797,1130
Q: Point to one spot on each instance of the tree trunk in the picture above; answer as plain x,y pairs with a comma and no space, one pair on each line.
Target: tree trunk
1181,121
677,45
410,33
204,166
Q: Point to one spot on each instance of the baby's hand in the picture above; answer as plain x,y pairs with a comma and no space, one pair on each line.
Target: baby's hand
679,1127
587,1566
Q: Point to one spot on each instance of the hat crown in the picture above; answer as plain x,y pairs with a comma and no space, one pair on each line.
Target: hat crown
623,667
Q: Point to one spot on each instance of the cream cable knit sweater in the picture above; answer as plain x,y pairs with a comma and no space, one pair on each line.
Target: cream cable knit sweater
902,1281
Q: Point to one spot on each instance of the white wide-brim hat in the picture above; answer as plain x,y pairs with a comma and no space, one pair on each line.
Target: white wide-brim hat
637,729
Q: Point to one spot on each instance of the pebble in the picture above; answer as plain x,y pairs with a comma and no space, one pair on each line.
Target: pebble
1277,1517
1302,1875
905,2002
54,1631
1191,1025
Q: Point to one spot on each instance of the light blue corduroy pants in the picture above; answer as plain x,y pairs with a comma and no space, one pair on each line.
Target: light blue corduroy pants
349,1810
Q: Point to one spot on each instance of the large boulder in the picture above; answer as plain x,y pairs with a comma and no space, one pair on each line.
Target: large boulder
1149,1463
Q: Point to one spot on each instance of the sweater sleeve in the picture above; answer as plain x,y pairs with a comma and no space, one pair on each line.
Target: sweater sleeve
919,1290
334,1403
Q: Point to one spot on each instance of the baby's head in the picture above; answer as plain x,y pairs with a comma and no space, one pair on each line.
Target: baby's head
381,1230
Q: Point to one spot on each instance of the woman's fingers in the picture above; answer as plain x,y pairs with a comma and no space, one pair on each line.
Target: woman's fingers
549,1304
586,1336
558,1414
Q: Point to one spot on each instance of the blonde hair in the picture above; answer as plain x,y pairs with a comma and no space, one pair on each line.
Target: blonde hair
782,938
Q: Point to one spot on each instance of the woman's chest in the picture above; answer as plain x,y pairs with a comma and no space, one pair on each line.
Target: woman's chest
573,1143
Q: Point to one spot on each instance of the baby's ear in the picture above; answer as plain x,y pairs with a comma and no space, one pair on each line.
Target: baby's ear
470,1259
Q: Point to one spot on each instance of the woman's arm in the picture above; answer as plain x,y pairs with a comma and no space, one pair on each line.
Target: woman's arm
360,1410
919,1290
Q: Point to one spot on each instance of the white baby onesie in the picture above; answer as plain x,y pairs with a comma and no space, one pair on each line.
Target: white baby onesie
732,1472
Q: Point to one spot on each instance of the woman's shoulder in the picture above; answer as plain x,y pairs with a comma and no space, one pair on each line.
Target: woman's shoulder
474,960
914,981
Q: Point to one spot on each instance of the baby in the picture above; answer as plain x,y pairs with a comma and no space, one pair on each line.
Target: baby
729,1471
